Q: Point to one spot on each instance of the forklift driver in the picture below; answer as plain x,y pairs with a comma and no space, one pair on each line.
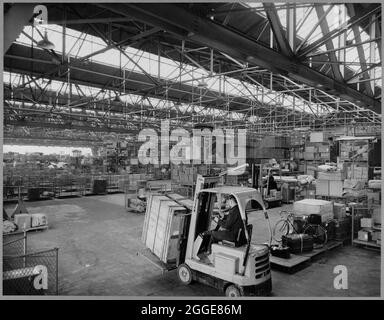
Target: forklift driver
229,225
270,184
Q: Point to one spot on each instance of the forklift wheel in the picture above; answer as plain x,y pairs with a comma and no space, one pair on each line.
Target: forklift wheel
184,273
233,291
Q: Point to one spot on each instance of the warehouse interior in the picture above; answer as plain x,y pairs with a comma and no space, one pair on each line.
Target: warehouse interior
133,131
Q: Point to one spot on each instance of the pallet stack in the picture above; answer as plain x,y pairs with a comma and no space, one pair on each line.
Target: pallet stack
161,225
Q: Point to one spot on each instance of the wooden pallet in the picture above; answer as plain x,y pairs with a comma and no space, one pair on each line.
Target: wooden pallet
298,261
149,256
290,265
329,246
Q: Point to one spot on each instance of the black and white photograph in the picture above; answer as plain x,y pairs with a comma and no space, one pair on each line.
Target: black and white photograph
191,149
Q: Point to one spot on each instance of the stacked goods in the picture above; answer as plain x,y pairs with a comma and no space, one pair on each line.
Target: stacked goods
330,183
307,207
317,151
357,172
23,221
354,188
368,232
366,222
38,220
374,184
356,150
364,235
161,225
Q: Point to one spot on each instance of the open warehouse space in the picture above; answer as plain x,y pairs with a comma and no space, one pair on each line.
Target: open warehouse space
192,149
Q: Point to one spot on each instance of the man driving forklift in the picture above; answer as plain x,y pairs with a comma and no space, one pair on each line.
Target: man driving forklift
228,227
270,184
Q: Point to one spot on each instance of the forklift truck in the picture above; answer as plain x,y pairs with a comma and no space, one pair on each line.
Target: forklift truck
236,268
257,183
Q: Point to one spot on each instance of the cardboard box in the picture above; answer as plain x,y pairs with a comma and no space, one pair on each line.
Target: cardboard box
364,235
366,222
23,221
38,220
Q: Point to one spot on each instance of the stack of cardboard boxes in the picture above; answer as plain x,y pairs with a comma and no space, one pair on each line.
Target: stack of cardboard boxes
368,232
330,183
317,151
371,226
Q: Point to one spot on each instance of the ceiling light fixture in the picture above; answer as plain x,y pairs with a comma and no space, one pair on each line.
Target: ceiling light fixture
45,43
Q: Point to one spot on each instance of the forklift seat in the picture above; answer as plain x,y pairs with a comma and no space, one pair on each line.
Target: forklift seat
241,239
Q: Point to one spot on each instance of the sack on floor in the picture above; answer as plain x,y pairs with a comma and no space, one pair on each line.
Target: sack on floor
298,243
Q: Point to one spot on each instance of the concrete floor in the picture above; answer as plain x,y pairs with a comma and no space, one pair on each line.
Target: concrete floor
98,241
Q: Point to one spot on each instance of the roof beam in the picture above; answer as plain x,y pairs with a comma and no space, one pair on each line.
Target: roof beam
209,33
277,29
329,44
338,31
360,52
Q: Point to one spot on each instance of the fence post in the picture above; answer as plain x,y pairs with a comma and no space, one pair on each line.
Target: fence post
25,249
57,271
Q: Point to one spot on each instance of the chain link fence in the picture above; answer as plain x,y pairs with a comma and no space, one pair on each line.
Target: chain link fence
31,274
15,244
26,273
